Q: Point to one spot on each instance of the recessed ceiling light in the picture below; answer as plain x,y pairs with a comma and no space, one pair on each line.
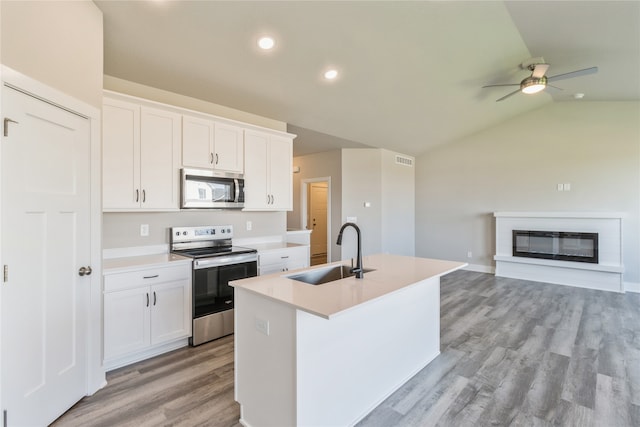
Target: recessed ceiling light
331,74
266,43
578,95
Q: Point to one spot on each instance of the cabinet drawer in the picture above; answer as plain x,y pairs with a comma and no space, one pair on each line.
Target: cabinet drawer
146,277
274,257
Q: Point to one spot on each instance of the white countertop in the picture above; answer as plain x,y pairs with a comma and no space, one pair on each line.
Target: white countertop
130,263
392,273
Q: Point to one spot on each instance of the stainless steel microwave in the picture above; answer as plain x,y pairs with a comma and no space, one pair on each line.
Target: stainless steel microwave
209,189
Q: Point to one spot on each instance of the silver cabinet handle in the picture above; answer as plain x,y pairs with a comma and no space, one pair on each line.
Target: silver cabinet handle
147,299
154,298
144,196
216,158
85,271
150,277
137,195
211,156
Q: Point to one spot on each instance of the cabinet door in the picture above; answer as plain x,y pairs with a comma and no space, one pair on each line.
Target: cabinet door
298,258
120,155
126,321
197,142
170,311
255,166
280,179
228,148
159,159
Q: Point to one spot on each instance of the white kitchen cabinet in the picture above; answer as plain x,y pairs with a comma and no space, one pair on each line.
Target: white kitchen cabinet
210,144
141,157
147,311
284,259
268,180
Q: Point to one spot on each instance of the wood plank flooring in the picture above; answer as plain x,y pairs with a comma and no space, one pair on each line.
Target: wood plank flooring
513,353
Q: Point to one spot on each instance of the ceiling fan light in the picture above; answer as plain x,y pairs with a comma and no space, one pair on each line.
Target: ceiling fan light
532,85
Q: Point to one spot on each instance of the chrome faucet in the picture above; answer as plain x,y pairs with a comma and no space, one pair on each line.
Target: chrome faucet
358,271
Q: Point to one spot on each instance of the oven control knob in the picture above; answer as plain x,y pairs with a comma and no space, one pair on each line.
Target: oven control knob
228,230
177,233
184,233
223,231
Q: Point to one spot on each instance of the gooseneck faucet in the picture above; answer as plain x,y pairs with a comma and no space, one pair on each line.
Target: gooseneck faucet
359,272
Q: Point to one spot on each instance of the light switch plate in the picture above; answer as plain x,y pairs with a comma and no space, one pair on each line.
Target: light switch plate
144,230
352,219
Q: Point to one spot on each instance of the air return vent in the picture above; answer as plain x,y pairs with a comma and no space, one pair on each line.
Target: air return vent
405,161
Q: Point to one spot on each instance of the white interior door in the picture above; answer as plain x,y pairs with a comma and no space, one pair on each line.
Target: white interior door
45,240
318,220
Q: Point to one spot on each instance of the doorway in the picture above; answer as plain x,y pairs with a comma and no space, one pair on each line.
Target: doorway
315,217
48,251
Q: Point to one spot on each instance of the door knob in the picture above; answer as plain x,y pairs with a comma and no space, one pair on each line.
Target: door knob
84,271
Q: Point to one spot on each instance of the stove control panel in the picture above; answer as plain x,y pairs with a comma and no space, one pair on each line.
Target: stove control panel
209,232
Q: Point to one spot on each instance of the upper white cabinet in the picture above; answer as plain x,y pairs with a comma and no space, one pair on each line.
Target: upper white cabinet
210,144
268,180
141,157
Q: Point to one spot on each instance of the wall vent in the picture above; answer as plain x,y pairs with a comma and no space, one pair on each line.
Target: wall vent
405,161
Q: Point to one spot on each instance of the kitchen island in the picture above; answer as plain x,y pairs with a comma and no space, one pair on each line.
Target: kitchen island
326,355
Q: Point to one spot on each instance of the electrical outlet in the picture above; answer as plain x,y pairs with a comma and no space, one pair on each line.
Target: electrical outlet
567,187
560,187
262,326
352,219
144,230
469,254
249,225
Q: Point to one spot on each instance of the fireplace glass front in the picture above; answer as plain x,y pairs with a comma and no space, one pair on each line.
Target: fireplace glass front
556,245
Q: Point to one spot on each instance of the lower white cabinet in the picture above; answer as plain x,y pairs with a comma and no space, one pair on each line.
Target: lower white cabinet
283,259
146,312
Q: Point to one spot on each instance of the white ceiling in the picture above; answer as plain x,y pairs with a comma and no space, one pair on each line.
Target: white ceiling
410,72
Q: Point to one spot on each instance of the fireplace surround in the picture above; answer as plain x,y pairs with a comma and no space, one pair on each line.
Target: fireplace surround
546,261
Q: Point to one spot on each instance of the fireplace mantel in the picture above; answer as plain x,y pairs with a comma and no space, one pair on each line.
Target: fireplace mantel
605,275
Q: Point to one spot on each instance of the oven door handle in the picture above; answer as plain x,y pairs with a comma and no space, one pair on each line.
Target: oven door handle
220,261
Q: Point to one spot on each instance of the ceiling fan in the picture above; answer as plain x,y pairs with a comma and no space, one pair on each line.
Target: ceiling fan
538,81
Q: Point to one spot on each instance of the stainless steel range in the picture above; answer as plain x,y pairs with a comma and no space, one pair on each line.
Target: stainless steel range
216,262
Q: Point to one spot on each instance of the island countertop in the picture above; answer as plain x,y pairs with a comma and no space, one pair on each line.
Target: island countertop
392,273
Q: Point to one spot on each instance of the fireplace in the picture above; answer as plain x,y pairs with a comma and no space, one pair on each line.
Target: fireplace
556,245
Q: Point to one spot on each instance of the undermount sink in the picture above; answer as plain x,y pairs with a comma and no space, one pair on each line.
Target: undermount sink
322,275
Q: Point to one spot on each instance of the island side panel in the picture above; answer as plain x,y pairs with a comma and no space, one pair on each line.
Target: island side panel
350,363
264,364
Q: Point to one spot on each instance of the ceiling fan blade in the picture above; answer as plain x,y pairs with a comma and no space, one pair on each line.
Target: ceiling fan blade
554,87
539,70
573,74
508,95
507,84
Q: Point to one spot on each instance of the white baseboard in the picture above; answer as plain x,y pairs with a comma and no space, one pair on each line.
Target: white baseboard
632,287
479,268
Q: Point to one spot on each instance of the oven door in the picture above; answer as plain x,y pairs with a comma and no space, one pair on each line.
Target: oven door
211,277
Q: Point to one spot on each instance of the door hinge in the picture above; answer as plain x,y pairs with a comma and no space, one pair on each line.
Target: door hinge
6,125
5,273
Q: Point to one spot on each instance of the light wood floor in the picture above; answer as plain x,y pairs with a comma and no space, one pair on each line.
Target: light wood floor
512,353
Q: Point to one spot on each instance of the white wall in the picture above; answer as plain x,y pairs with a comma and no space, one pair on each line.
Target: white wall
361,182
516,166
59,43
320,165
122,229
171,98
398,205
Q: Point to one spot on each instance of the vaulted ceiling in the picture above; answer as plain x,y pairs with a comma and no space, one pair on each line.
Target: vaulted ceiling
410,73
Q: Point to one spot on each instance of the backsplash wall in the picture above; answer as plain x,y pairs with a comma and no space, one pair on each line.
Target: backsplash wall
121,230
